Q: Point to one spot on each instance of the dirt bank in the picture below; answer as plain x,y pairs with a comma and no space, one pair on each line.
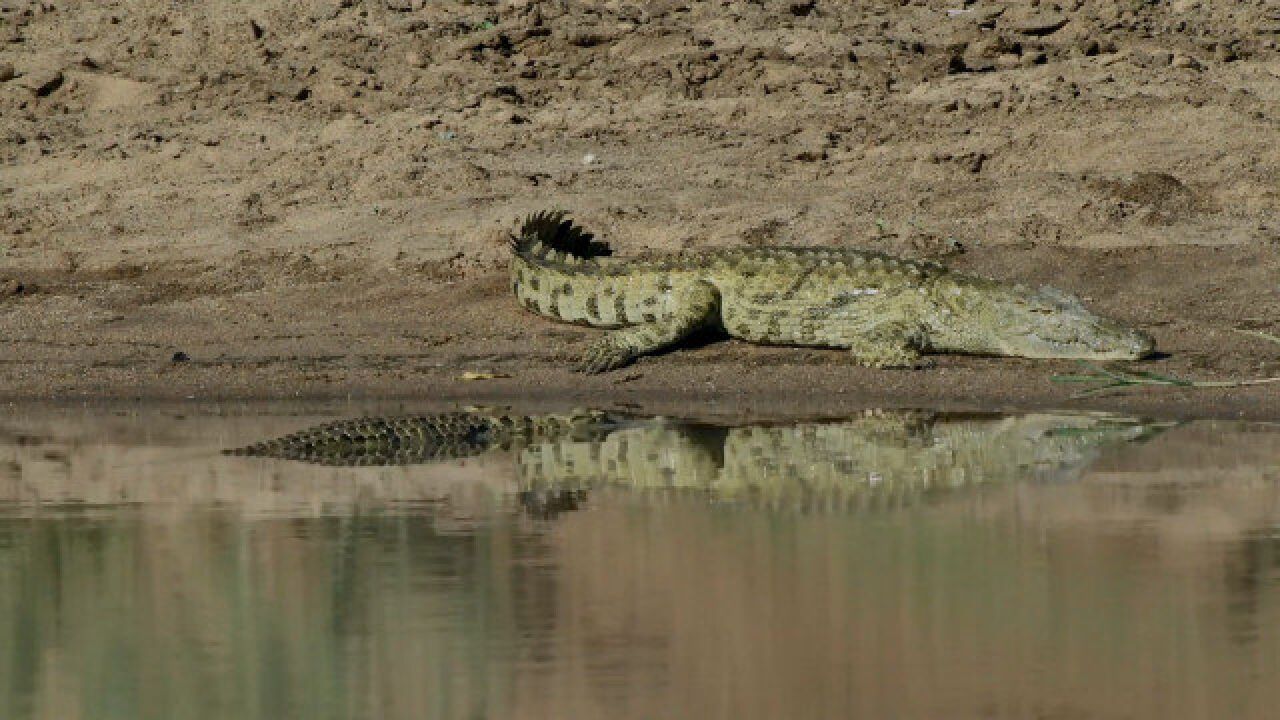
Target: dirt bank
310,198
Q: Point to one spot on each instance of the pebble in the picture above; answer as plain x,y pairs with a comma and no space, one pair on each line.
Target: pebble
1038,25
180,357
1185,62
991,47
978,65
811,144
973,162
415,59
1032,58
589,159
42,81
7,72
1008,61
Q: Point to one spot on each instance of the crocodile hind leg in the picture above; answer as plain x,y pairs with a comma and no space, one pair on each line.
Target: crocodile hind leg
686,311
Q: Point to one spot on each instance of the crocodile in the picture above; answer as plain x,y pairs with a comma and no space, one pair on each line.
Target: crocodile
886,311
412,439
876,458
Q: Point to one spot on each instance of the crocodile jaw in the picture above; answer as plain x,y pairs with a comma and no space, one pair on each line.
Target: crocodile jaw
1112,343
1070,332
988,318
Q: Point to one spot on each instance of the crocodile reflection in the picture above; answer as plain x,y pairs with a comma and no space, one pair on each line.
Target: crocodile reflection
877,457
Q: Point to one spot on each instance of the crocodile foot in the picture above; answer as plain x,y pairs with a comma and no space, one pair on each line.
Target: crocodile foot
603,356
890,355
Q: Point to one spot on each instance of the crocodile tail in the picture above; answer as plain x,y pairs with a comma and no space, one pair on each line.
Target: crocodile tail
384,440
549,236
413,439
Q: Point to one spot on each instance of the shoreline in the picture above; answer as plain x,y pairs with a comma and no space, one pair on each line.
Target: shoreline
784,401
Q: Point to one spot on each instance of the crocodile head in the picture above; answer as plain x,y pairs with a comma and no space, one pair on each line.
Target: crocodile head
1046,323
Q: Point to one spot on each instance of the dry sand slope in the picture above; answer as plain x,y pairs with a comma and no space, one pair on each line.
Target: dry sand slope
310,197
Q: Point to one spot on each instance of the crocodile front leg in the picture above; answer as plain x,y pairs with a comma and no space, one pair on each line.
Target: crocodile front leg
889,345
685,311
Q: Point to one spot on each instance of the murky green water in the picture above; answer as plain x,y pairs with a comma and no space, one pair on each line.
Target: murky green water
890,565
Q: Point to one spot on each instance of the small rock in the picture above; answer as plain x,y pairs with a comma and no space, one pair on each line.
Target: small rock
6,72
970,64
985,17
11,288
1008,61
42,81
179,358
589,159
992,47
1088,47
957,65
973,162
1223,53
1038,25
810,144
252,211
415,59
1032,58
803,7
1186,62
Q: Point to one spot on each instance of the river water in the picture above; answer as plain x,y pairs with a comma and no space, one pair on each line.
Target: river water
887,565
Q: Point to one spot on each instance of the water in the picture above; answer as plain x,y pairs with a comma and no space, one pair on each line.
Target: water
892,565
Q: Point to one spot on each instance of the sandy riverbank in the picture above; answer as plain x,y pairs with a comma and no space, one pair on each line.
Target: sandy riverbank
310,199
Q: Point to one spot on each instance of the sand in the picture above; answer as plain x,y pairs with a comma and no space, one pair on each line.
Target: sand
281,199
